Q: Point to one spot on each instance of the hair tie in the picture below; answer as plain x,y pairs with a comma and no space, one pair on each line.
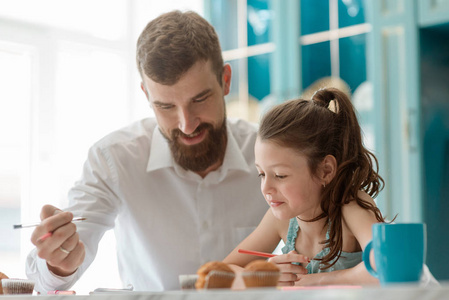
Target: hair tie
333,106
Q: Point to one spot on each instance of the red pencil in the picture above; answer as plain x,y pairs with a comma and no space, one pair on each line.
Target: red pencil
257,253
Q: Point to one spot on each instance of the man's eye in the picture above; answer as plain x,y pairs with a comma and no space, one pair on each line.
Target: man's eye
201,99
261,175
164,107
281,176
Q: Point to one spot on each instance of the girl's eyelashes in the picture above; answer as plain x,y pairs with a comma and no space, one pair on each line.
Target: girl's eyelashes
275,175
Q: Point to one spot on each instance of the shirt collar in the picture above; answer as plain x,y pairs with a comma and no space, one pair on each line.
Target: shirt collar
160,155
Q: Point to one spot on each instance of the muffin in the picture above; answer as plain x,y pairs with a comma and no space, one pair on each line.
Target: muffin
2,276
260,273
214,275
17,286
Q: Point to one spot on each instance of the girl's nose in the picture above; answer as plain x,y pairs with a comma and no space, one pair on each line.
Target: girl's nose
267,188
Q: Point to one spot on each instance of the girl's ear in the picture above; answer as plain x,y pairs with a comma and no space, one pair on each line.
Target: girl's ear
328,169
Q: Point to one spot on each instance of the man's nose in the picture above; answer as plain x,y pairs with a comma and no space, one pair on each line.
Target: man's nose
188,121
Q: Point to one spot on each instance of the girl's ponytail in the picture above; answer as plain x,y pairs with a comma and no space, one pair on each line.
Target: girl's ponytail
327,125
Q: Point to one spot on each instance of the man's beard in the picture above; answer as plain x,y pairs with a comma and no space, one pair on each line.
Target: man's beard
199,157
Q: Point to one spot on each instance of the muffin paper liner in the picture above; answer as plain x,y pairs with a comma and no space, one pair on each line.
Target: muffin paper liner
260,279
219,279
187,281
17,286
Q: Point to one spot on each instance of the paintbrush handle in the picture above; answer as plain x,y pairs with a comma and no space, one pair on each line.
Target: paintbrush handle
27,225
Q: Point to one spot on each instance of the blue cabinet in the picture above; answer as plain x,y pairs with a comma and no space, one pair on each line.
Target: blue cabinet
393,71
433,12
409,68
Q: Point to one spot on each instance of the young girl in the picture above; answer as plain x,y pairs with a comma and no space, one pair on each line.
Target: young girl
319,181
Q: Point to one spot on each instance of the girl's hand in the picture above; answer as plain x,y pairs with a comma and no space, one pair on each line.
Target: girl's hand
289,271
311,279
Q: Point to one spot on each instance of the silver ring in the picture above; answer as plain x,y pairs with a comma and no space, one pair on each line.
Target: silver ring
64,250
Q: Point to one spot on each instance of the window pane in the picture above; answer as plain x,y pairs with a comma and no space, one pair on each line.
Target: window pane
233,105
259,22
316,63
224,19
350,12
239,104
90,102
78,15
259,76
14,126
353,60
314,16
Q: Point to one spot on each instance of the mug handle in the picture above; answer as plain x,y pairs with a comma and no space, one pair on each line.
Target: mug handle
366,254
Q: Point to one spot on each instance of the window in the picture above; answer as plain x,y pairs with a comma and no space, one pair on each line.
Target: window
244,31
15,75
258,40
333,49
68,78
333,34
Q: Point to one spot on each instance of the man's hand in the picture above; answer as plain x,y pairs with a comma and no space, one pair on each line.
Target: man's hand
63,250
289,271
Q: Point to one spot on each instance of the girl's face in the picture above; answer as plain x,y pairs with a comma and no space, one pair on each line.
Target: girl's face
286,181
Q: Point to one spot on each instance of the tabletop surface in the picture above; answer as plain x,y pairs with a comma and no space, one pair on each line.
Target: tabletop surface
397,292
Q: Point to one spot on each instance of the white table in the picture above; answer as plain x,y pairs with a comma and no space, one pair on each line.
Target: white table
323,293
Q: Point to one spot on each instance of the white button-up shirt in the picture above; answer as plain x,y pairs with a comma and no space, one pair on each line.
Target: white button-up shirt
167,221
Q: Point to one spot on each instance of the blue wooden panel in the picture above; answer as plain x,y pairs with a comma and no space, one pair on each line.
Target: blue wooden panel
259,75
222,14
316,62
434,52
259,17
393,70
350,12
353,60
285,65
314,16
433,12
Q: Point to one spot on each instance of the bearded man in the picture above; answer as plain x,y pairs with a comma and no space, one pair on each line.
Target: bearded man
179,190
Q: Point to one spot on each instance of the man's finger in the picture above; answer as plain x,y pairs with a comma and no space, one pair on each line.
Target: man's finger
48,211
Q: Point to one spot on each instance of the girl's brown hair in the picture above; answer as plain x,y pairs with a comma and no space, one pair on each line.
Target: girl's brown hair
327,125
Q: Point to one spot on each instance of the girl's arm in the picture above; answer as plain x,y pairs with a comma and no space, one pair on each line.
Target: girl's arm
352,276
359,221
265,238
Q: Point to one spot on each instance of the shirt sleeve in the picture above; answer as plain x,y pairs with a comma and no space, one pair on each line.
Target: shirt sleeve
44,279
94,197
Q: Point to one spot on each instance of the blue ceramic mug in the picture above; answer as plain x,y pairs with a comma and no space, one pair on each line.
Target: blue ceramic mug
399,252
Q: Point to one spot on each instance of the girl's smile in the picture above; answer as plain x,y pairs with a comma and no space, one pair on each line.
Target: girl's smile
286,181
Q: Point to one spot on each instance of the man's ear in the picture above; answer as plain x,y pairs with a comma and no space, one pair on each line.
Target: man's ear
328,169
144,90
227,72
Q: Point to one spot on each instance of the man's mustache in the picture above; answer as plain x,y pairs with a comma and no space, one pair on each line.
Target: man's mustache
176,132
